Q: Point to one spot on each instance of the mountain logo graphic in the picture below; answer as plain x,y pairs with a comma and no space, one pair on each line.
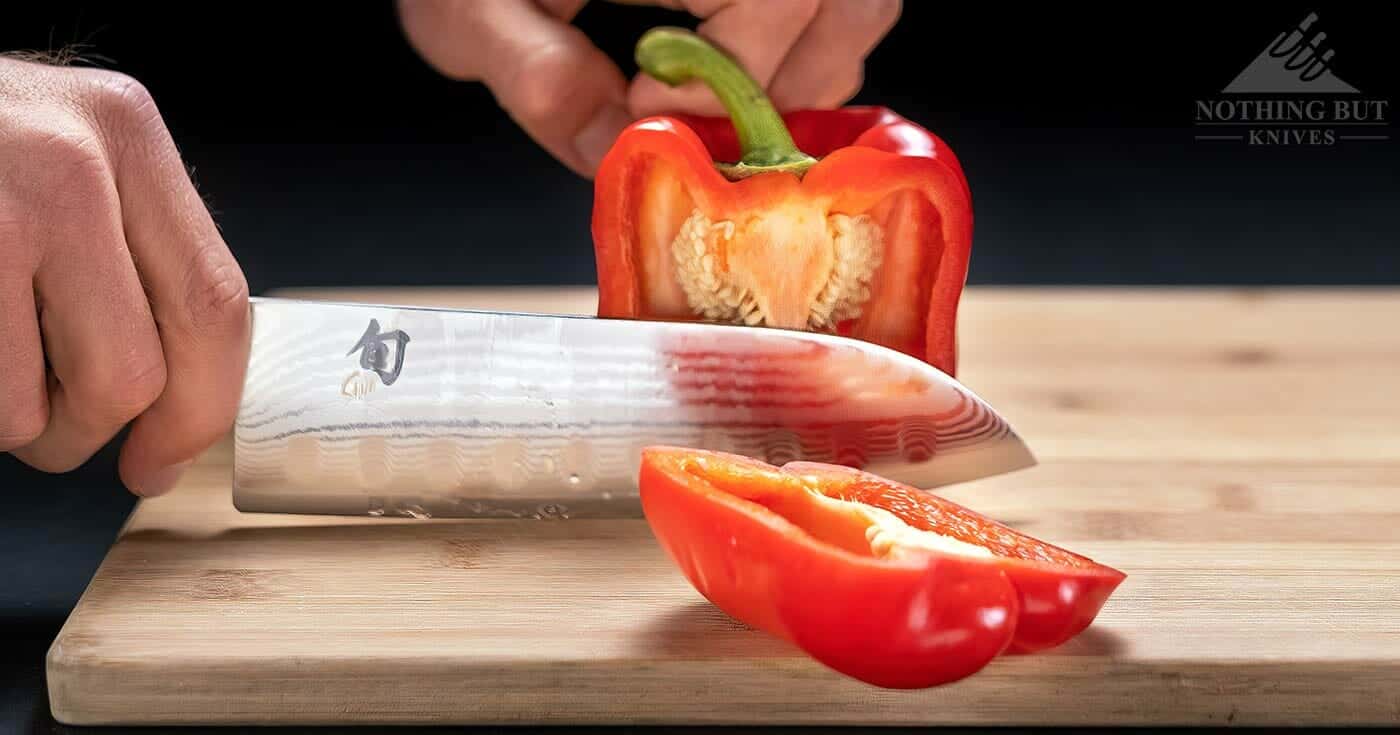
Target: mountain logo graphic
1296,61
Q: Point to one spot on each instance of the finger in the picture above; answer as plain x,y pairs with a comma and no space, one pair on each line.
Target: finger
563,10
24,402
560,88
197,293
757,33
98,334
825,67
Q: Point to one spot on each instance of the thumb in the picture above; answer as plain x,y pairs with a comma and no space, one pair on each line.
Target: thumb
564,91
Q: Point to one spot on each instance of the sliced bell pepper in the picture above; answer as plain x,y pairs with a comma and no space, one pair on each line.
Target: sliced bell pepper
868,237
1060,591
854,587
867,576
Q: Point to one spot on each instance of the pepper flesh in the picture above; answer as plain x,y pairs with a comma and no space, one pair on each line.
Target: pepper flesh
1060,592
880,581
871,241
823,575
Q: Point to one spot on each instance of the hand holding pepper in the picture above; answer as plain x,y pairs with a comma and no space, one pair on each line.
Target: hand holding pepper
570,97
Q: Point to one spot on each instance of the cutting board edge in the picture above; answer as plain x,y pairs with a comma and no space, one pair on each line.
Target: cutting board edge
1210,694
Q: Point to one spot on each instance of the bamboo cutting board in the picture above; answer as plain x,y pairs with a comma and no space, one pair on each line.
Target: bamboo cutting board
1236,452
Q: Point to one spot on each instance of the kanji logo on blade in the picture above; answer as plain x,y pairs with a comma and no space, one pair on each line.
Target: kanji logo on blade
377,349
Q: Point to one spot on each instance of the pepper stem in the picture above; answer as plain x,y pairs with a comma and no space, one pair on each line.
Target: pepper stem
675,56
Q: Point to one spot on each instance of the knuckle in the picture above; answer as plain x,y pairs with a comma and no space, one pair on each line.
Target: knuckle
123,113
72,164
466,40
876,14
423,23
843,87
855,79
540,84
789,14
198,434
118,101
216,293
114,395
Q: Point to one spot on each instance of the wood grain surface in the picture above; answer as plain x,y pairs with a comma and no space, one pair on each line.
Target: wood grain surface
1236,452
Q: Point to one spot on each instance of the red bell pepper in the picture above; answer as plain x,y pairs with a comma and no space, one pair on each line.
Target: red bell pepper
869,236
1060,591
879,581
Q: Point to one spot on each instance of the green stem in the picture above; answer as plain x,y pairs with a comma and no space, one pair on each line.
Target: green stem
675,56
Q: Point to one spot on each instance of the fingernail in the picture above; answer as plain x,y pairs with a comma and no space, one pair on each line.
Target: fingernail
593,142
162,481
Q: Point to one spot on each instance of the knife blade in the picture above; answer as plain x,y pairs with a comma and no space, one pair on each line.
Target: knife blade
363,409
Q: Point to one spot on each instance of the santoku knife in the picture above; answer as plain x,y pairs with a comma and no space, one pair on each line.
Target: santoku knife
355,409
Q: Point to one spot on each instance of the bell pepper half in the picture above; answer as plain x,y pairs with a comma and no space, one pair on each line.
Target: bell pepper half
877,580
869,236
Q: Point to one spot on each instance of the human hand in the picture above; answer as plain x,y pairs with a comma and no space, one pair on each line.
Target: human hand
118,297
570,97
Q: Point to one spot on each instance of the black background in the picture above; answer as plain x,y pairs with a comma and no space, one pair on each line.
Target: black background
332,155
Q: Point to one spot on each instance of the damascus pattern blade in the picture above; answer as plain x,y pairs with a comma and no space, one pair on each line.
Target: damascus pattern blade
353,409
